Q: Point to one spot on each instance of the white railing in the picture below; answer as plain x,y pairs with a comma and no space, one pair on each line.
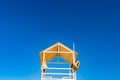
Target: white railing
62,75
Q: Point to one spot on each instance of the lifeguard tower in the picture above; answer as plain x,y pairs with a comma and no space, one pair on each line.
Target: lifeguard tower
63,66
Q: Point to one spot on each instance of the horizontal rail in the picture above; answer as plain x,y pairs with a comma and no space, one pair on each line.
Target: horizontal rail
60,68
57,79
57,63
58,73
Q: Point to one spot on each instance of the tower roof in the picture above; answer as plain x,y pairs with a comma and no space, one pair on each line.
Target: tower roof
58,49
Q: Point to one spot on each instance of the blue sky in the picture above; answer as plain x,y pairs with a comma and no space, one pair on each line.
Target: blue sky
29,26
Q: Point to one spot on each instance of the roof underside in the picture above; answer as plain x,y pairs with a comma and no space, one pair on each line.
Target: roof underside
58,49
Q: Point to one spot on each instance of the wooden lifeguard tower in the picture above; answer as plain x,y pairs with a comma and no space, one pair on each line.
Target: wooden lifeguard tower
58,69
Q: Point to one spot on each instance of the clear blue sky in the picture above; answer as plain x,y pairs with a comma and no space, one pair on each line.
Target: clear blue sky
29,26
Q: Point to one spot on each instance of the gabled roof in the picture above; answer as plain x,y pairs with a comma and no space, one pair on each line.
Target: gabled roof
55,50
